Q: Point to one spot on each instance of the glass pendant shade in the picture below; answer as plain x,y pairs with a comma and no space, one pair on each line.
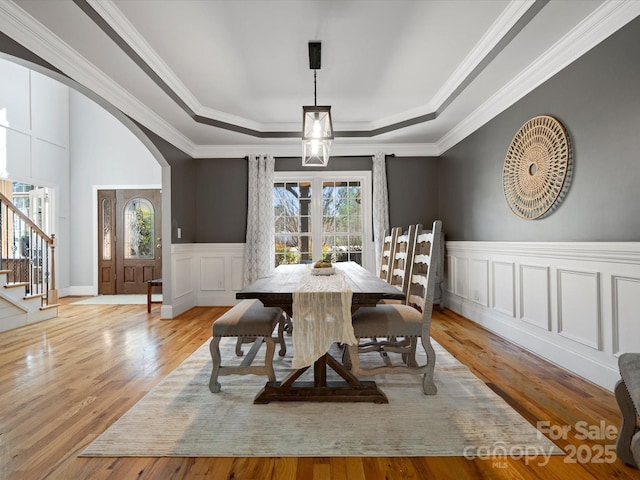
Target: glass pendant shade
317,133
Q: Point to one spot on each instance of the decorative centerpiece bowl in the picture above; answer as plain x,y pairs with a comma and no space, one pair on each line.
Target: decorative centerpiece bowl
322,268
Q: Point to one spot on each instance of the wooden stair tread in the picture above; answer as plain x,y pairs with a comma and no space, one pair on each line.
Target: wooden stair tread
47,307
36,295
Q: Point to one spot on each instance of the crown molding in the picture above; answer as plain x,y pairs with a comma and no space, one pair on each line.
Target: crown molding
607,19
111,14
30,33
514,12
121,25
26,30
483,49
499,30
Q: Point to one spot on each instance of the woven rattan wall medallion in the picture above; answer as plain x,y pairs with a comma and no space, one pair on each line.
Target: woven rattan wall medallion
537,168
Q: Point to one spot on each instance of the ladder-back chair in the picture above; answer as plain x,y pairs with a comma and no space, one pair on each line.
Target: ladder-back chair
408,321
388,247
402,258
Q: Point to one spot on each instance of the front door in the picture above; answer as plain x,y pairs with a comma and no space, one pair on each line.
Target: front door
129,245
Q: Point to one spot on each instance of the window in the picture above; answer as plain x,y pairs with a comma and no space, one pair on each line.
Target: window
138,229
322,215
36,203
20,196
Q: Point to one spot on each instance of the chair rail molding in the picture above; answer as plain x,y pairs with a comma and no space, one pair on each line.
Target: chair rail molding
573,303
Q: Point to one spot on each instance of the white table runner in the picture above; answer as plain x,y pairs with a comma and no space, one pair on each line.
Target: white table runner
321,316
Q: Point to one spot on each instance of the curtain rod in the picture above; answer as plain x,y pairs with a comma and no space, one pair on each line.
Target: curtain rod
246,157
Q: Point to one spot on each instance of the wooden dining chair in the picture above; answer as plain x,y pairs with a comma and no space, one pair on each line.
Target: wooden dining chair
247,319
399,270
438,261
406,322
402,257
388,248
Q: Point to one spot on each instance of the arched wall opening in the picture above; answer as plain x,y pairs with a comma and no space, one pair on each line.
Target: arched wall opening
83,99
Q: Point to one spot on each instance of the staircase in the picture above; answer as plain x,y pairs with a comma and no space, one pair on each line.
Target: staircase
27,270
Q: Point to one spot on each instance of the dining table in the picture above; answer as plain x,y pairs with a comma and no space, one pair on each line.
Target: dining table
277,289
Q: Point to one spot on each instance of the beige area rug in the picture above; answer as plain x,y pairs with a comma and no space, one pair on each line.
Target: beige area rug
180,417
118,299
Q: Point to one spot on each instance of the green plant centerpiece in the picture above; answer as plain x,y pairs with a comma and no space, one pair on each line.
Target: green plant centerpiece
322,264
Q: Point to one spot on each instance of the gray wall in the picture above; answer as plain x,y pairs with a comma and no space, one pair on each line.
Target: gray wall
183,213
220,200
413,186
183,204
597,98
336,164
216,190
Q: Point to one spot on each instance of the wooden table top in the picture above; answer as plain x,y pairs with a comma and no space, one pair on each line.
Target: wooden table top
277,288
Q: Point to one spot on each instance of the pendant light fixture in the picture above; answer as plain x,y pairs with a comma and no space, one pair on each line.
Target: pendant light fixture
317,127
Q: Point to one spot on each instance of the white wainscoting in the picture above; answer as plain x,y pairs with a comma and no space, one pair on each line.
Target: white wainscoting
206,274
575,304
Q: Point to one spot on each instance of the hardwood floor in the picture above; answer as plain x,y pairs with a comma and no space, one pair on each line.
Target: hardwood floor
64,381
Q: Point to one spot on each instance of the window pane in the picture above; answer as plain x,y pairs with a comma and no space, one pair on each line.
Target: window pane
328,225
342,241
293,189
279,224
139,232
305,189
292,210
281,242
290,225
304,244
328,248
305,225
355,224
285,200
355,249
341,223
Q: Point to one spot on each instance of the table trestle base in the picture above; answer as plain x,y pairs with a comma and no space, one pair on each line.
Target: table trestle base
367,391
320,390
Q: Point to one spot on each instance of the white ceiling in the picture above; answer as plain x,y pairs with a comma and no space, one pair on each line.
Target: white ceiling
197,71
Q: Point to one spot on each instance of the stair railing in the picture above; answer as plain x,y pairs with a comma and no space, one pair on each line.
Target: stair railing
27,253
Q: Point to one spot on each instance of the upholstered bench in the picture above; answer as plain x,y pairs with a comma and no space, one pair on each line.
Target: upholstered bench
627,392
247,319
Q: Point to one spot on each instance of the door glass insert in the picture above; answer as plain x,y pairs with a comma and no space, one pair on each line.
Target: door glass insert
138,229
106,229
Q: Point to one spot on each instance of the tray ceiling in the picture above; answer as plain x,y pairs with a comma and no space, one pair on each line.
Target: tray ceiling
223,78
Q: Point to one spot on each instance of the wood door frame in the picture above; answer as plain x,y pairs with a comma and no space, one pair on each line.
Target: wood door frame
152,268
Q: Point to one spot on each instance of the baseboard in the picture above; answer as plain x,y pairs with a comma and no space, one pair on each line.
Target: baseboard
588,368
78,291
